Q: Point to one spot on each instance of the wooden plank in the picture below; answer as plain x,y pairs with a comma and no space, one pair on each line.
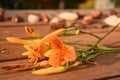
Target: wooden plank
108,66
42,29
11,24
18,31
10,51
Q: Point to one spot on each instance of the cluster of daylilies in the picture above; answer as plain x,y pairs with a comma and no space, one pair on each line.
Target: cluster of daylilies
49,51
50,54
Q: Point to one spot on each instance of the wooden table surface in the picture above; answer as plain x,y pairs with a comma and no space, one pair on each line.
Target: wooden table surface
108,67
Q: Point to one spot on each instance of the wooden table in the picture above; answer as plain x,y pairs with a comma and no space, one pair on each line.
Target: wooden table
108,67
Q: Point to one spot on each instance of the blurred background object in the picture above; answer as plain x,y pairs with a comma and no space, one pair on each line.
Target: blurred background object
104,4
59,4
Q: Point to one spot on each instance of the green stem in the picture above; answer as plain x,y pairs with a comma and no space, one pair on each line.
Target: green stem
77,43
103,37
97,53
71,28
90,34
112,51
71,34
68,34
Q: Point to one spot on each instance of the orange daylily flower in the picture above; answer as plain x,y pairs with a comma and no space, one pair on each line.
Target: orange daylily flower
61,53
37,51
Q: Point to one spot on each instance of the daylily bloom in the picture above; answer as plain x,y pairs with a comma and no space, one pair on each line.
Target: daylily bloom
60,53
36,51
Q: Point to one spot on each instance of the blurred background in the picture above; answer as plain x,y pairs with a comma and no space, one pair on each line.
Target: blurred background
59,4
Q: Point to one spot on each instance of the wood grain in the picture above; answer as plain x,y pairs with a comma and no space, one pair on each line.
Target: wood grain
106,69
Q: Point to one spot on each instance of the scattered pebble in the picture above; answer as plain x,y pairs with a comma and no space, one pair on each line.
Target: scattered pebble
56,20
55,26
33,18
95,14
87,19
16,19
112,20
69,16
44,18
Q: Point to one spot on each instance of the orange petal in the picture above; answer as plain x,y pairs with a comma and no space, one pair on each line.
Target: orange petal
70,55
43,48
56,43
54,60
37,51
